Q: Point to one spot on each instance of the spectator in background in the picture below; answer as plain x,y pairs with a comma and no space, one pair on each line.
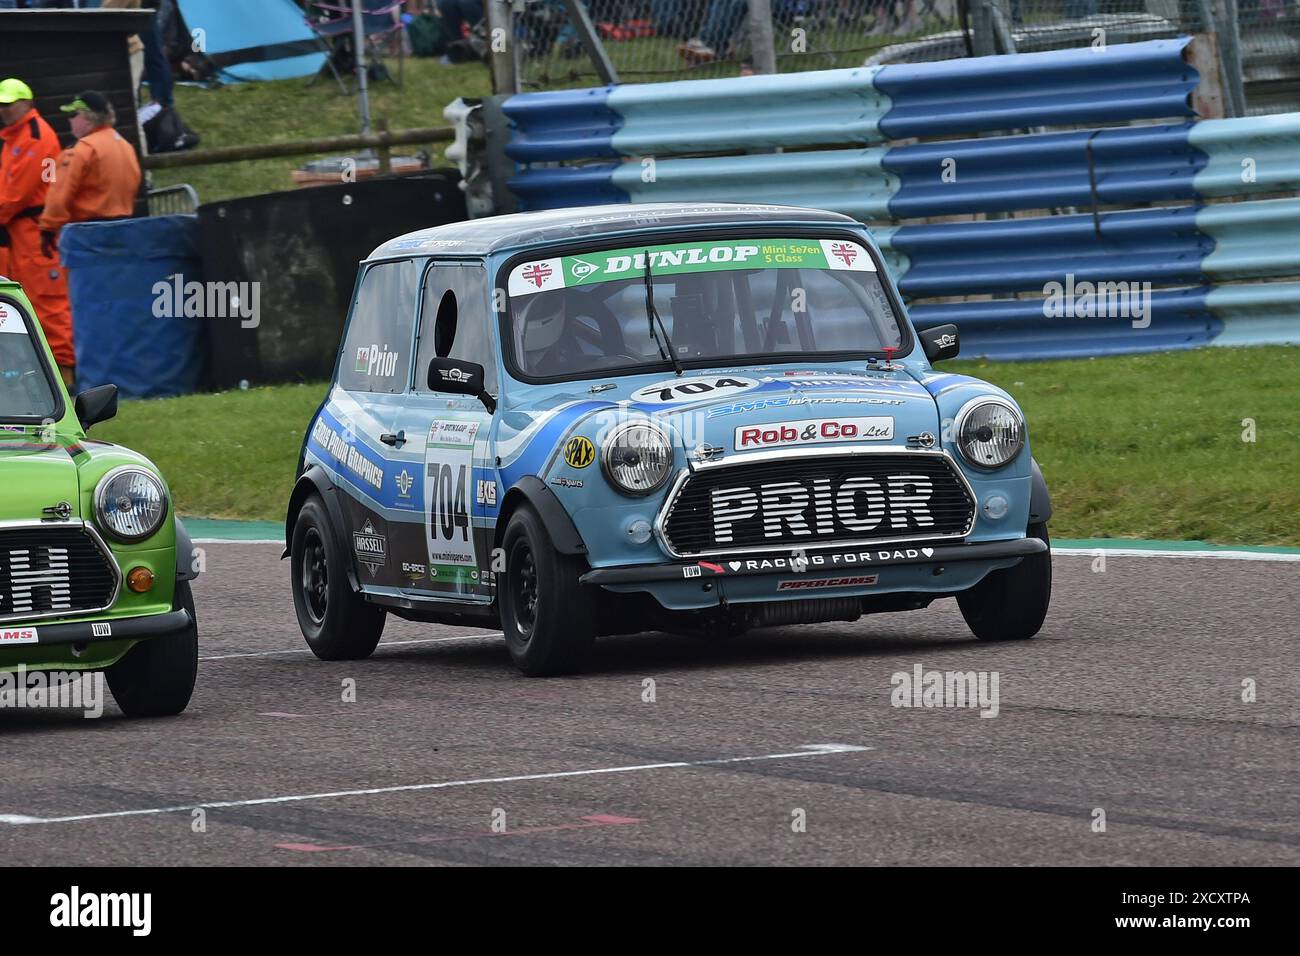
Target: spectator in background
31,151
720,24
134,46
457,14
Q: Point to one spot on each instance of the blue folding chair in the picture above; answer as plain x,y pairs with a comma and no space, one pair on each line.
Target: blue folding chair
380,21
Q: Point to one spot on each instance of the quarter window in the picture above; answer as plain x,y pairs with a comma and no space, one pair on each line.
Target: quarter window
377,348
456,320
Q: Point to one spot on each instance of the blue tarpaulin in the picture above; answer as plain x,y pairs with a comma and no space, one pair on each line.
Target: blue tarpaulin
127,333
254,39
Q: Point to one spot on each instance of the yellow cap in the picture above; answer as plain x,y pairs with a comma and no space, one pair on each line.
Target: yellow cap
12,90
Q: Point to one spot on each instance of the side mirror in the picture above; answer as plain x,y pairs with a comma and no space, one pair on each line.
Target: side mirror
460,378
941,342
96,405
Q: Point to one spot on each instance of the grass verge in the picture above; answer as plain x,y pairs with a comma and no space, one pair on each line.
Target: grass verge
1147,446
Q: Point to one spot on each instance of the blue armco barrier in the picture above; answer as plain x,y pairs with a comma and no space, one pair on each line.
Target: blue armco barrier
112,270
834,129
1123,82
1018,328
1183,244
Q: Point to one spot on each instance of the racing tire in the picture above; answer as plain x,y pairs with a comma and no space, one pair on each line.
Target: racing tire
156,677
1010,604
337,623
548,619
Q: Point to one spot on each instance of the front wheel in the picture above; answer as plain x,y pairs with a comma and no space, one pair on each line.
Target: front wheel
156,677
338,623
1010,605
548,619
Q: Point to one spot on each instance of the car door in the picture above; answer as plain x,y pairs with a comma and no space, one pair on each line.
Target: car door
459,492
356,428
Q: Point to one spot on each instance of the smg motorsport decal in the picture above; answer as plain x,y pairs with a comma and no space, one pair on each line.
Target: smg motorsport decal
561,272
796,507
370,547
448,501
812,431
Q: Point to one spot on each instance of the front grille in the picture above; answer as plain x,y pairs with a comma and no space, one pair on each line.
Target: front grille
786,503
52,570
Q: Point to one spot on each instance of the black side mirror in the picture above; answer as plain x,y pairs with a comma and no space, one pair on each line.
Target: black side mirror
460,378
96,405
941,342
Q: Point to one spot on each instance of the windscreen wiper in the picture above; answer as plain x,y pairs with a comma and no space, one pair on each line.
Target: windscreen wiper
652,316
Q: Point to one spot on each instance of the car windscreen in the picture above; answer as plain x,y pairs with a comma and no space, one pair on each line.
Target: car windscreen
721,302
25,391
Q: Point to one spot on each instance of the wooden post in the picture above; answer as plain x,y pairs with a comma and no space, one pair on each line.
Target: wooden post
385,151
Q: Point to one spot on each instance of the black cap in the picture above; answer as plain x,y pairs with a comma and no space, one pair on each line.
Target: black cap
91,100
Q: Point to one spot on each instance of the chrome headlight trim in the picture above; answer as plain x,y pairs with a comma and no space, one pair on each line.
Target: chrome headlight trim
959,422
607,448
102,487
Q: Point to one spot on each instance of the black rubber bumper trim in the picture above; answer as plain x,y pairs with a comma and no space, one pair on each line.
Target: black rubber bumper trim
123,629
910,554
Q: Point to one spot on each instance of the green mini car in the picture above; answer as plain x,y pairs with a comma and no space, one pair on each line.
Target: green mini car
95,568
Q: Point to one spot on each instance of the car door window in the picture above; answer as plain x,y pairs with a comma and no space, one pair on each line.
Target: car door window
456,320
377,347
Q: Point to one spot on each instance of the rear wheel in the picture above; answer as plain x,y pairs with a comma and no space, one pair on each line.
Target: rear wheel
548,619
156,677
338,623
1010,605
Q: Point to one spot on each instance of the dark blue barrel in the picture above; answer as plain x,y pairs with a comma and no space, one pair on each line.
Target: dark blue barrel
126,331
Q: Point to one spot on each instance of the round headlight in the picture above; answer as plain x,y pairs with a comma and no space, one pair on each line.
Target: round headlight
637,458
130,503
990,432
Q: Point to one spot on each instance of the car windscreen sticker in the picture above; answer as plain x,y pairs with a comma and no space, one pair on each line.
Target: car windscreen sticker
449,496
840,255
540,276
11,320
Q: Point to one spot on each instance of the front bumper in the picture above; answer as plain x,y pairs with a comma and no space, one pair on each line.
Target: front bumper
118,629
837,560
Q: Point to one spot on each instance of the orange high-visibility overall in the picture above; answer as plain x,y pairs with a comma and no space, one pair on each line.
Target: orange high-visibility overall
31,153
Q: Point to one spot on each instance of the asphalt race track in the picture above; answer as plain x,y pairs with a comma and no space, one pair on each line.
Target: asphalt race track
1129,701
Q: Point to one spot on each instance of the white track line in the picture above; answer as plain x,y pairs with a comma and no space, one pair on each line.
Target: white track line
279,541
1171,553
805,750
379,647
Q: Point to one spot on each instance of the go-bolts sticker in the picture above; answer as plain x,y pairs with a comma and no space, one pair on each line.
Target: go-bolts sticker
675,390
579,452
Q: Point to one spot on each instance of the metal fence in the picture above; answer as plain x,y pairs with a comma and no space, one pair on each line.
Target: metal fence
660,40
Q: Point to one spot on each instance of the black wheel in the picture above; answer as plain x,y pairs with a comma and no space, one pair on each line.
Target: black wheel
1010,605
338,623
548,620
156,677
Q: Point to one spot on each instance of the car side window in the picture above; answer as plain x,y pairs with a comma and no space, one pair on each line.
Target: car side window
456,321
377,348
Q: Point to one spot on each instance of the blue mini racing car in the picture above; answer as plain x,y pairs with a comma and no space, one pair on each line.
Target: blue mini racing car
698,418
